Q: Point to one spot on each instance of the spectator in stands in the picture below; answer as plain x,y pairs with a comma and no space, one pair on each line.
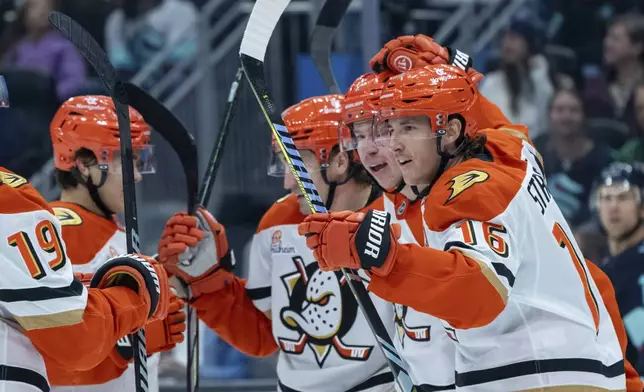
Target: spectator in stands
572,159
611,94
522,86
139,29
31,43
633,150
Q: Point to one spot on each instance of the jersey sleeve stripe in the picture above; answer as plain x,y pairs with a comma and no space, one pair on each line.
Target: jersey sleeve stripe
456,244
502,270
24,376
70,317
490,275
259,293
35,294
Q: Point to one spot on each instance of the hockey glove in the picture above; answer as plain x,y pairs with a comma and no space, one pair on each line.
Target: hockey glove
352,240
195,249
414,51
141,274
164,335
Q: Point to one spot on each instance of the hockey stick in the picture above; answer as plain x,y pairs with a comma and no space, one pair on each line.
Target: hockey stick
262,22
327,23
97,58
173,131
215,158
204,196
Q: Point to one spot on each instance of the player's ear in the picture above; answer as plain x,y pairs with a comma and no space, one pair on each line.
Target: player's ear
82,167
454,128
339,165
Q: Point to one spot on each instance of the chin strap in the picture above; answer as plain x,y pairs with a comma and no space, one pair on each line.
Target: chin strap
93,189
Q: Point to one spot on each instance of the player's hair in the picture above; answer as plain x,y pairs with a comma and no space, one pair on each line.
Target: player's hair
473,147
66,179
467,147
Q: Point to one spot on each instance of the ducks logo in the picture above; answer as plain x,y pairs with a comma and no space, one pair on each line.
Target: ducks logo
418,334
323,310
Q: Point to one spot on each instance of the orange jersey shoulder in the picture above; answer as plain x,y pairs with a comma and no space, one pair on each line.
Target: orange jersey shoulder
479,188
493,115
84,232
18,196
285,211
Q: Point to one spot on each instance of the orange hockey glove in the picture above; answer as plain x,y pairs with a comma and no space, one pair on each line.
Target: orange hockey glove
413,51
164,335
352,240
141,274
195,249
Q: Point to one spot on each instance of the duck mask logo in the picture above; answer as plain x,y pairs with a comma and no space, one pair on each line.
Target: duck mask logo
322,309
418,334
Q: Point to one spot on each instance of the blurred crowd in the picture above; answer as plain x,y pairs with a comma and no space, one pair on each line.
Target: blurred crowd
42,68
574,75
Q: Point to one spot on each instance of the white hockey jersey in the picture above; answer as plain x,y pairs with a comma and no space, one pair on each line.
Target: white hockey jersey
503,272
37,286
91,241
420,339
325,342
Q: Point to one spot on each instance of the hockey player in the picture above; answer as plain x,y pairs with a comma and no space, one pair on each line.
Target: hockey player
416,340
85,138
421,50
618,200
288,303
420,339
48,316
486,213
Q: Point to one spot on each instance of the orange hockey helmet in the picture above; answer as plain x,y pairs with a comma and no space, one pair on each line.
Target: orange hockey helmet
91,122
313,125
434,91
358,108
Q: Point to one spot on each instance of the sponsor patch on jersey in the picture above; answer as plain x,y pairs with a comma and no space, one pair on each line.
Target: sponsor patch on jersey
67,217
276,244
13,180
462,182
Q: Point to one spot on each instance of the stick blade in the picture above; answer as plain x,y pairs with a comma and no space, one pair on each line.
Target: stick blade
173,131
327,23
261,24
91,50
